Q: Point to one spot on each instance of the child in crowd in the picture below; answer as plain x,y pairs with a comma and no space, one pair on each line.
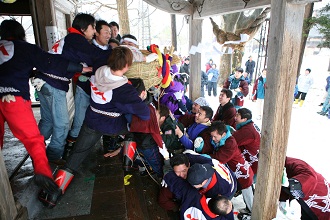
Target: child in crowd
305,81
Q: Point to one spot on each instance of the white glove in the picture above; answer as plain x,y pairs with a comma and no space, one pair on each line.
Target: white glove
163,183
8,98
199,144
163,151
37,83
151,57
237,90
234,93
178,95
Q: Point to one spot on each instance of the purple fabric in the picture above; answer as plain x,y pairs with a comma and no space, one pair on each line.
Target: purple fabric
169,98
174,69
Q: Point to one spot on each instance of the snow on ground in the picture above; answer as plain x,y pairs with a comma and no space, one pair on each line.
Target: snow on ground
308,130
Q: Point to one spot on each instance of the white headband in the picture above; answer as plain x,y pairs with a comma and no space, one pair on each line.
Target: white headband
128,39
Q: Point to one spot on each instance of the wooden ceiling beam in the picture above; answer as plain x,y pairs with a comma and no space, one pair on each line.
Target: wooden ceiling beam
177,7
303,1
205,8
213,8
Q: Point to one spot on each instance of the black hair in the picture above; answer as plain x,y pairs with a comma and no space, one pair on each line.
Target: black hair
129,36
228,93
309,70
98,25
11,30
82,21
113,23
179,159
245,113
163,110
208,111
214,65
220,205
218,126
113,40
138,84
239,69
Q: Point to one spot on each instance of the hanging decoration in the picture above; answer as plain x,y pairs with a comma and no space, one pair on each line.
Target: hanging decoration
165,65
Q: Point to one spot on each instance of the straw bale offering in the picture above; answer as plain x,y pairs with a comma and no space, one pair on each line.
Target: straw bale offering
146,71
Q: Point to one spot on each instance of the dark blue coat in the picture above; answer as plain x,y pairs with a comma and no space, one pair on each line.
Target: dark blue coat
193,204
223,181
18,58
125,100
75,47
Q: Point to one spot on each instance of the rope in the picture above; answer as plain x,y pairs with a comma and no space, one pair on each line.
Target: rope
145,166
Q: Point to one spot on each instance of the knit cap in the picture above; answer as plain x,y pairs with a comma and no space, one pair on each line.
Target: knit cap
197,173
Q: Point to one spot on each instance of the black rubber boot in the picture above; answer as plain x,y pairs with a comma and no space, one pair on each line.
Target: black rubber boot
70,141
62,179
49,200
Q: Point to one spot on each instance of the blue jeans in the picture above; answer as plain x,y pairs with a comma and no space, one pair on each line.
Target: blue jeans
81,102
326,104
153,159
202,90
212,86
54,119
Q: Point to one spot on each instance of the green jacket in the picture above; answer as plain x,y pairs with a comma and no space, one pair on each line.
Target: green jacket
171,141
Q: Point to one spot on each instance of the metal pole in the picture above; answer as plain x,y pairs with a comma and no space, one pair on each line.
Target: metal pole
18,166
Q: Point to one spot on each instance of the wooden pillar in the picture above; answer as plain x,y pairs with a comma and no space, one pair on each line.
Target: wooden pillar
173,33
123,17
195,37
44,16
7,208
309,8
284,42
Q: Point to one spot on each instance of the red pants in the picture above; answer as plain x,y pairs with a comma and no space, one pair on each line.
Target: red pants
23,125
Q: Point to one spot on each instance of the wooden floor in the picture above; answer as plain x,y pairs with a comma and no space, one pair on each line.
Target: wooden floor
113,200
110,198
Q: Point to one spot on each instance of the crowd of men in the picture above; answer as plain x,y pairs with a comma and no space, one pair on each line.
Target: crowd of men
203,158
